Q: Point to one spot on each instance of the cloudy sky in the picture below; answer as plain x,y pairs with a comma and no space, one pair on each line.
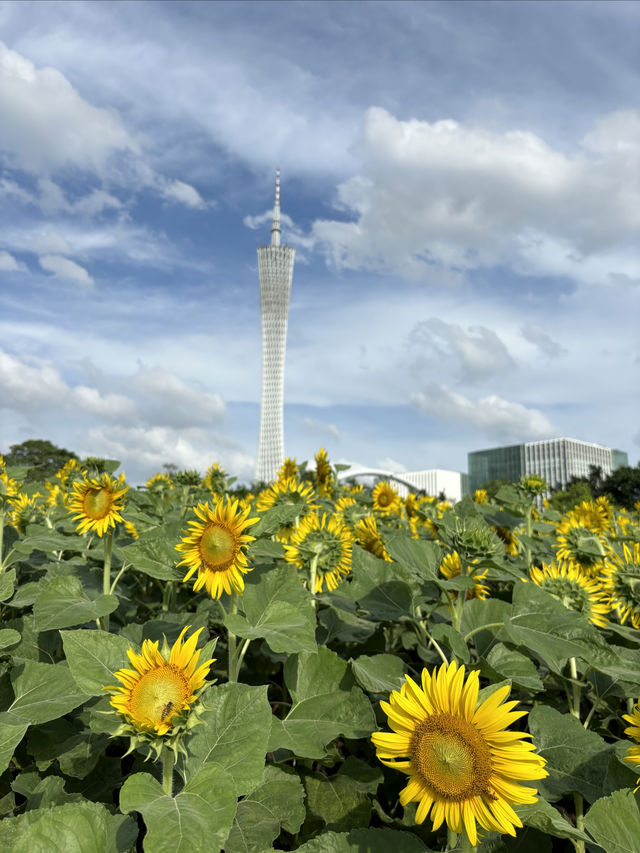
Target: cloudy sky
461,182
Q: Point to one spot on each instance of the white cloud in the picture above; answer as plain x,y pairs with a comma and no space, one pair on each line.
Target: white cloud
478,352
51,242
437,199
65,269
389,464
168,400
317,427
498,418
537,336
9,264
48,125
185,194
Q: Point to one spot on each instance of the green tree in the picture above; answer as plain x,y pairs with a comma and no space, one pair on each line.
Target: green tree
42,457
622,486
565,499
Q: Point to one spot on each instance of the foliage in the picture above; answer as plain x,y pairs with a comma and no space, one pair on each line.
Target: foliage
42,457
277,752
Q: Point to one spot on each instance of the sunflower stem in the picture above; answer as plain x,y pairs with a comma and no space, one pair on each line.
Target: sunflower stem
1,536
232,673
167,771
529,529
106,576
486,627
240,656
575,688
579,806
124,568
168,595
313,570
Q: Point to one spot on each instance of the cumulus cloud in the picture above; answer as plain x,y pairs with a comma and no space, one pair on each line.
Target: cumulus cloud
9,264
48,125
65,269
497,418
185,194
537,336
442,197
389,464
320,428
168,400
477,352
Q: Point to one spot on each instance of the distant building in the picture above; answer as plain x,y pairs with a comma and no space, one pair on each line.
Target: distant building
275,272
557,460
452,484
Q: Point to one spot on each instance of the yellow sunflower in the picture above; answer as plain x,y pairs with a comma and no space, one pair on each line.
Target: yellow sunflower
368,537
576,544
329,540
594,515
575,589
288,492
215,547
451,567
161,686
385,498
24,510
621,582
289,468
633,755
481,496
509,538
216,478
463,765
98,503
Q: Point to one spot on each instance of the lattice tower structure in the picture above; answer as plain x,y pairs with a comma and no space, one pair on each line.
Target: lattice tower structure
275,271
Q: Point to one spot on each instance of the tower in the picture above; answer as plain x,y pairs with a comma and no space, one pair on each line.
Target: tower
275,271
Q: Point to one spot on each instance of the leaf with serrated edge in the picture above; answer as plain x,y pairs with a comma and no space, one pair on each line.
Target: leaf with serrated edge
614,822
43,692
93,657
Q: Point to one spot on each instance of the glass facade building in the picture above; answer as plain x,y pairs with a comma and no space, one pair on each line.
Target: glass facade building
557,460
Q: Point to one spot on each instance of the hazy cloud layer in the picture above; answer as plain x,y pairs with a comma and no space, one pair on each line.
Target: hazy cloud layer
537,336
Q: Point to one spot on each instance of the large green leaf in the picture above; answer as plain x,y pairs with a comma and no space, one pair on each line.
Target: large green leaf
41,538
198,818
11,733
420,556
365,841
43,692
154,553
384,589
341,801
379,673
234,735
273,519
542,624
542,815
277,607
64,602
479,613
577,759
8,637
71,828
326,703
93,657
503,662
614,822
277,802
7,584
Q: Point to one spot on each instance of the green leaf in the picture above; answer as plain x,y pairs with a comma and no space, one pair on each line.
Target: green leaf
341,801
442,632
379,673
7,584
11,733
154,553
419,556
326,703
365,841
277,607
614,822
577,759
267,548
476,614
344,625
50,792
93,657
234,735
385,589
41,538
198,818
277,802
503,662
8,638
43,692
273,519
542,815
71,828
63,602
542,624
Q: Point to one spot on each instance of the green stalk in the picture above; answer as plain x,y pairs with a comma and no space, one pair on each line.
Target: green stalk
167,595
232,672
578,800
313,570
529,529
1,536
106,576
167,771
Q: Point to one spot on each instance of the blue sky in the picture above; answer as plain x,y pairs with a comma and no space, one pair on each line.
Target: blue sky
461,182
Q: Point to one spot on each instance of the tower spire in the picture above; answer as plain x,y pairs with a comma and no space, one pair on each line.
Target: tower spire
275,228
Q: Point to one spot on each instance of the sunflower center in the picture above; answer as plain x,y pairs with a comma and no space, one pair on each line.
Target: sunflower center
452,757
217,547
159,695
383,499
97,503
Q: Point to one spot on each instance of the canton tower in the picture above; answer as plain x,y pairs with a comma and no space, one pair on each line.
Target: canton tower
275,271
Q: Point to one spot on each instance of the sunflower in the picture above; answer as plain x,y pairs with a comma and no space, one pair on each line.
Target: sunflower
368,537
451,567
216,478
633,755
323,474
131,529
594,515
97,503
9,487
385,498
288,492
463,765
24,510
576,544
575,589
162,685
509,538
215,547
289,468
330,540
159,484
481,496
621,582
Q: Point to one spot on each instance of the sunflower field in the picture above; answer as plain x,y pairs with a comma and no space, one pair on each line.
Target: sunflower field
318,666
